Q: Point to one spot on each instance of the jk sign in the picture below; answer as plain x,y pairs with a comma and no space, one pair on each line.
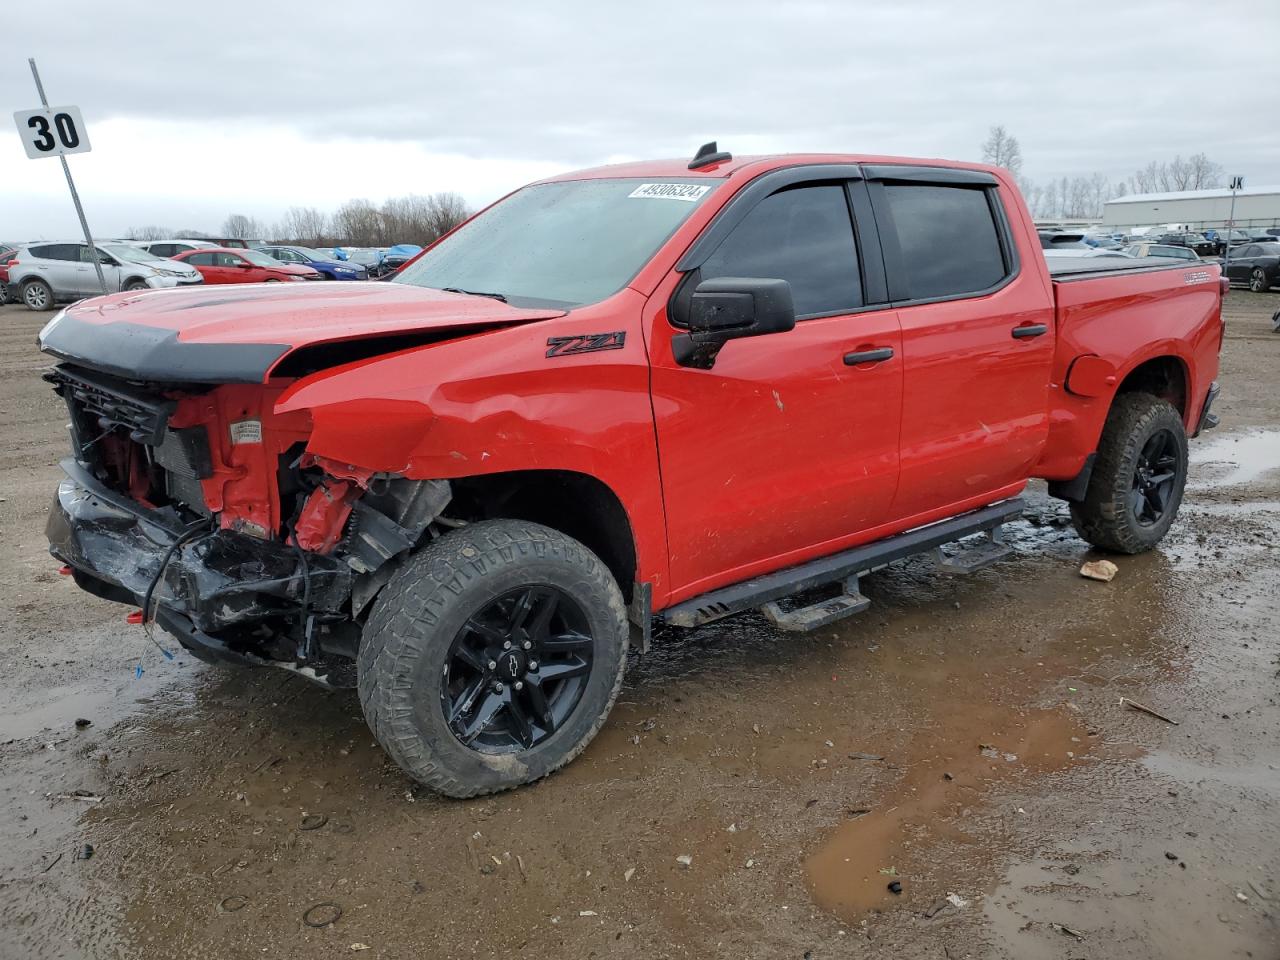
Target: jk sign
52,132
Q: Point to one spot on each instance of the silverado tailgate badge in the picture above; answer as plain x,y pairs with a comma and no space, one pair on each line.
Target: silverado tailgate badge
585,343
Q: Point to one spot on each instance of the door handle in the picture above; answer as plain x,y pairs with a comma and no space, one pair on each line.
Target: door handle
1032,330
868,356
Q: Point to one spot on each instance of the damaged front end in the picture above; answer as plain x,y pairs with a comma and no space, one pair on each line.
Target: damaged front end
203,505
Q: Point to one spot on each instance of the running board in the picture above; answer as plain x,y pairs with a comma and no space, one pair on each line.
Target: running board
845,566
973,558
820,614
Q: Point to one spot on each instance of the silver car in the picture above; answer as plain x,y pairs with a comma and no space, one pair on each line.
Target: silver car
46,273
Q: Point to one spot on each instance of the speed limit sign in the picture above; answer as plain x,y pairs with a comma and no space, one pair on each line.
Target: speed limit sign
52,132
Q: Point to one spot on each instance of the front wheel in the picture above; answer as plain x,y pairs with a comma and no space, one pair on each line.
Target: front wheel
1141,469
1258,281
37,295
492,657
133,286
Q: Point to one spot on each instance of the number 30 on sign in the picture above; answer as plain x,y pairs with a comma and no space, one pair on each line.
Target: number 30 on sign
53,132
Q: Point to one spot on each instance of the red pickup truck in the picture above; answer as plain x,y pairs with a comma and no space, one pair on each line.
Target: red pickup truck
655,393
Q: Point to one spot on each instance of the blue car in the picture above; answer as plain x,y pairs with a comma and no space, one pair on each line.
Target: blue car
326,263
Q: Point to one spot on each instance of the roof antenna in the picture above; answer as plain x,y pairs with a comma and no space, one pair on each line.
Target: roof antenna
707,155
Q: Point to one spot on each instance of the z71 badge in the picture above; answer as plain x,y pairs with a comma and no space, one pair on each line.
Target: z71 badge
585,343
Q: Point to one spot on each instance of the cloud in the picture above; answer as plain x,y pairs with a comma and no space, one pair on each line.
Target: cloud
413,94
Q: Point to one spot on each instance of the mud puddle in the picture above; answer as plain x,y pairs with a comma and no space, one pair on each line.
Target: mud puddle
1234,459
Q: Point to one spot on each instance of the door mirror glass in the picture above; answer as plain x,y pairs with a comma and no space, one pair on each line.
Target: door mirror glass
729,308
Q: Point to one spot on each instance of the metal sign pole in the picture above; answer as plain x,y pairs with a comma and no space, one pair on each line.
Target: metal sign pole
71,184
1236,184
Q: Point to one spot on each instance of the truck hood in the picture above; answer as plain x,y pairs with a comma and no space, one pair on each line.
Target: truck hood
244,334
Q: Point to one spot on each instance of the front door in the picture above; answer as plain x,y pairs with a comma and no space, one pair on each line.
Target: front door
782,450
977,338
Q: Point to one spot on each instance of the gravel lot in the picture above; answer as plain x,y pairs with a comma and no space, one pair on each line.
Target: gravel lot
1109,833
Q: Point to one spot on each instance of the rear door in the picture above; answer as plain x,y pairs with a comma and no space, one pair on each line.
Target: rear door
977,337
783,450
1241,263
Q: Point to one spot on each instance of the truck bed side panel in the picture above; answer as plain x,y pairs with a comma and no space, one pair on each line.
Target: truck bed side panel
1126,318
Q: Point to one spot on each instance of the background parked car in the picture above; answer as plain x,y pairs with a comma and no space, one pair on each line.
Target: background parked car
1257,264
225,265
7,252
1194,241
222,265
1149,249
325,263
46,273
168,248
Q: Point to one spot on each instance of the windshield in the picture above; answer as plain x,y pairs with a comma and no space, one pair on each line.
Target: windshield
122,251
312,254
561,244
259,259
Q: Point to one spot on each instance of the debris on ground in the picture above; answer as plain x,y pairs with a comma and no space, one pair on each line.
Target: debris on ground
889,871
237,901
1068,932
1103,570
81,723
85,852
83,795
685,860
312,821
322,914
1243,898
1142,707
628,874
957,901
865,756
587,913
935,909
357,947
895,886
1170,856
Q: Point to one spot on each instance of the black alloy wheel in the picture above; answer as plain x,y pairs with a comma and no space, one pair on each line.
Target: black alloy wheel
1154,478
517,670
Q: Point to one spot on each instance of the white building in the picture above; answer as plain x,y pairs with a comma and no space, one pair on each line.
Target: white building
1195,209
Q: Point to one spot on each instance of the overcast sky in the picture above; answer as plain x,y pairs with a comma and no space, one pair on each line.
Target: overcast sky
198,110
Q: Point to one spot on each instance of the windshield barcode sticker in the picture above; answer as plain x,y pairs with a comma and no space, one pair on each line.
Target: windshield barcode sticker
688,192
246,431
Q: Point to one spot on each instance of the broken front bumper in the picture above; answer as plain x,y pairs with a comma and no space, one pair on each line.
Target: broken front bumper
219,582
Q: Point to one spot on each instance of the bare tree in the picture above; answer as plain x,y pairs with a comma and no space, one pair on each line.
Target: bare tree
304,225
1002,150
358,222
444,212
242,226
1204,173
150,233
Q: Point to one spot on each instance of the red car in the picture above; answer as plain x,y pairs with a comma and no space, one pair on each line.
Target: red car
224,265
654,393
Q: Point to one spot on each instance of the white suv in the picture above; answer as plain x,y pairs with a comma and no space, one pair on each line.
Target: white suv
45,273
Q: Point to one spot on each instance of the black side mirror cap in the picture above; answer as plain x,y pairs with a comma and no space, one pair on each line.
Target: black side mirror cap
729,308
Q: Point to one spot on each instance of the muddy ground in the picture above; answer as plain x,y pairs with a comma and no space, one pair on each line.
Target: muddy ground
234,801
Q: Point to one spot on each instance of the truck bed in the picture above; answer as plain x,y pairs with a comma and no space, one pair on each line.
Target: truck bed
1066,269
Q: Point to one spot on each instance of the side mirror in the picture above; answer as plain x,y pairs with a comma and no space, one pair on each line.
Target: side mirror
244,265
728,308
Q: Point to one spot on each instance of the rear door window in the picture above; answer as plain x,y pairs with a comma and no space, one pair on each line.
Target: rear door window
57,251
803,235
948,237
201,259
226,260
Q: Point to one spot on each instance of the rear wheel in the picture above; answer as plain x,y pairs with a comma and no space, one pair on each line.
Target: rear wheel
1137,481
1258,280
37,295
492,657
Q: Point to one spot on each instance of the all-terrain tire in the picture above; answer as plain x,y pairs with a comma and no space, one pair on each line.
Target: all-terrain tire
1107,517
405,650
